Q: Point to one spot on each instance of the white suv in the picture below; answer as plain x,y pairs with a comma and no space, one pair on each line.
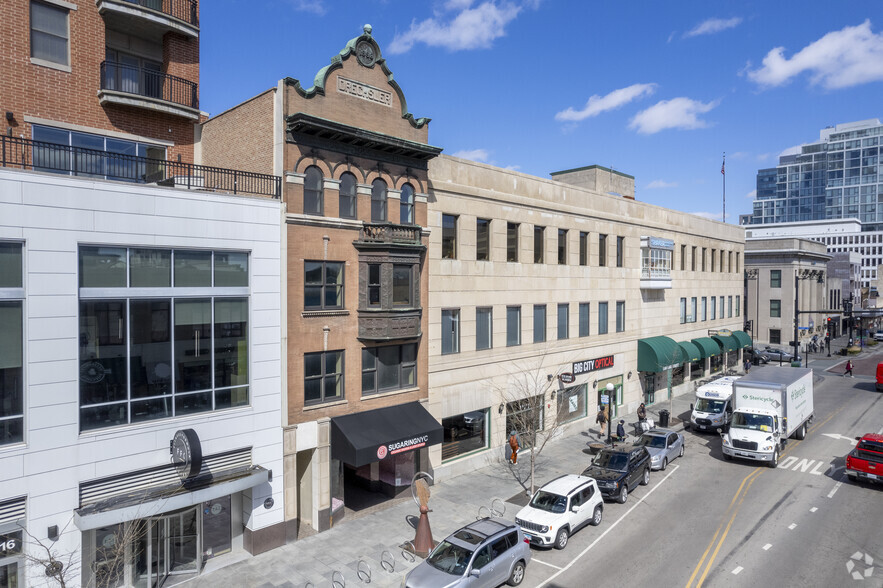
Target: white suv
559,508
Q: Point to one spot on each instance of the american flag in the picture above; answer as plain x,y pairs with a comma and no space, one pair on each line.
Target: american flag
722,167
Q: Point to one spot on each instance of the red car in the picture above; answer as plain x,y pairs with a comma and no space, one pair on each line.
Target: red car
866,460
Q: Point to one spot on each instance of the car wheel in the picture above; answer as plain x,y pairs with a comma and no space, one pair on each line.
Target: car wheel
681,454
664,463
597,516
561,539
623,494
517,574
646,479
775,462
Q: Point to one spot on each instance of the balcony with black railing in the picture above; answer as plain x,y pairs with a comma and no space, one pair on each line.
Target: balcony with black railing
149,88
152,17
25,154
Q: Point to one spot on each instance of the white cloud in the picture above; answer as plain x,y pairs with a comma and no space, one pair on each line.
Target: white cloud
712,26
473,154
314,6
737,155
791,151
751,195
840,59
709,215
661,184
598,104
471,28
677,113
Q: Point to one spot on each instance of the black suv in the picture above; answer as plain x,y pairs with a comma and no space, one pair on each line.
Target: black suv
619,469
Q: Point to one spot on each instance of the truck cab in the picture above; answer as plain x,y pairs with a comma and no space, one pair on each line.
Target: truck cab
754,434
713,408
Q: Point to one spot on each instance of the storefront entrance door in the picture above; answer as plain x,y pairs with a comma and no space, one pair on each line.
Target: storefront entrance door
171,545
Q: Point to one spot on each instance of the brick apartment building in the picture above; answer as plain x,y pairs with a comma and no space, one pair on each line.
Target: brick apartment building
140,322
354,162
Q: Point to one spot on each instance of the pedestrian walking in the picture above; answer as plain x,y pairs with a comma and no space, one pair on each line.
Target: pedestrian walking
642,412
848,368
620,430
601,419
747,365
513,445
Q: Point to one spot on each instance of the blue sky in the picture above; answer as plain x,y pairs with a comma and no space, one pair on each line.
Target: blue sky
657,90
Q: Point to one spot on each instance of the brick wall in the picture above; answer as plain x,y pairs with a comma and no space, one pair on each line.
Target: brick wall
242,137
72,97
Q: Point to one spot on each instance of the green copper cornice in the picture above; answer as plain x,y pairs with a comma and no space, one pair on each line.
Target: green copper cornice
348,51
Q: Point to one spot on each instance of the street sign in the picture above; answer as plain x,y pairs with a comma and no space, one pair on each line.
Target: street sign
605,399
566,378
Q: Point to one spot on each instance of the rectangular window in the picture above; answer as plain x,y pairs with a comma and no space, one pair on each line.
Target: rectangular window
449,236
393,367
730,307
693,260
703,260
584,319
450,321
620,316
693,309
683,310
775,336
736,269
403,285
539,244
721,264
374,284
464,433
722,308
602,250
323,377
513,326
484,328
11,344
738,300
583,248
512,242
562,247
713,258
620,250
482,239
683,257
147,358
713,308
539,323
563,321
775,308
49,33
775,278
323,285
704,308
602,318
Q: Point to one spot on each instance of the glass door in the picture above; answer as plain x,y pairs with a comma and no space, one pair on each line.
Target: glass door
9,577
169,549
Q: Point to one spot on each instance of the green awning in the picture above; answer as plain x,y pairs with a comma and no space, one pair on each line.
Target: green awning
691,352
743,339
707,346
726,342
656,354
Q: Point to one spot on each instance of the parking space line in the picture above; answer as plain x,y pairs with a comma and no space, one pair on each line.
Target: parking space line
673,468
836,488
545,563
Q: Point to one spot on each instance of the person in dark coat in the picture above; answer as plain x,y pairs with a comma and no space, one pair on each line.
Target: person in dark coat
642,412
620,429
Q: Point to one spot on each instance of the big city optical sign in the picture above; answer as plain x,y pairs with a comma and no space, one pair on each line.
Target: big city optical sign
590,365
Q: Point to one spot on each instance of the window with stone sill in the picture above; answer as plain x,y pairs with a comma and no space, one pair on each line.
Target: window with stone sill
323,285
323,377
11,344
347,196
389,368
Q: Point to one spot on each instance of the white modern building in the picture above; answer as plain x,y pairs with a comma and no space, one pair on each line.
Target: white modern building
141,378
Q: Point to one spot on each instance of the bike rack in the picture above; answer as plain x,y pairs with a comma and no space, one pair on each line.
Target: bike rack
387,561
481,510
407,555
498,511
335,582
309,585
364,572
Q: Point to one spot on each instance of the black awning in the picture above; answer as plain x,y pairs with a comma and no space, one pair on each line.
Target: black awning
365,437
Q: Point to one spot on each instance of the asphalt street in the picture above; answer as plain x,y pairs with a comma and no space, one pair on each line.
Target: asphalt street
709,522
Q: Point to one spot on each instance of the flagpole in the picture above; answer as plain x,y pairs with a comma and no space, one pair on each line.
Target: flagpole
724,174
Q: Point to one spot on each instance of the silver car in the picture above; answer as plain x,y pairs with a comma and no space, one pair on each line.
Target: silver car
663,445
483,554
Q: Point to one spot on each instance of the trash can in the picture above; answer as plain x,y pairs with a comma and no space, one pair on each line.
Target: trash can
663,418
795,363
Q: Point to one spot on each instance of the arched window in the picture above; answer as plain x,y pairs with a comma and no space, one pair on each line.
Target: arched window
378,201
347,196
406,210
313,191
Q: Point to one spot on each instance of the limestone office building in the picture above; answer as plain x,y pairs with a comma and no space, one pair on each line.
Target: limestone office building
418,283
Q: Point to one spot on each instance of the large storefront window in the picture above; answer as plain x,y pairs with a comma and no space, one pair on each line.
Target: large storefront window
464,433
717,363
11,344
571,403
177,345
525,417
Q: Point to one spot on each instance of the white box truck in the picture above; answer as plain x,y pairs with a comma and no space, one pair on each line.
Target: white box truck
713,408
769,405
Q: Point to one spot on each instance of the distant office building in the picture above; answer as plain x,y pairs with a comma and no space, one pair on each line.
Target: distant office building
839,176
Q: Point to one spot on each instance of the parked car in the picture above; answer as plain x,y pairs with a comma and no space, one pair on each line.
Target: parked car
879,384
664,445
559,508
865,462
756,356
775,353
483,554
878,336
619,469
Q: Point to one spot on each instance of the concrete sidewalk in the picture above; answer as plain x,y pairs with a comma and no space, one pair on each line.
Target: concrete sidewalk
454,502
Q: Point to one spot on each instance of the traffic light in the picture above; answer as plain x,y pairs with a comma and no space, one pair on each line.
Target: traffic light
748,325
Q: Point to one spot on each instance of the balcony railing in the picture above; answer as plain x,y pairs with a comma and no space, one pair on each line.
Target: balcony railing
149,83
390,233
49,157
185,10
